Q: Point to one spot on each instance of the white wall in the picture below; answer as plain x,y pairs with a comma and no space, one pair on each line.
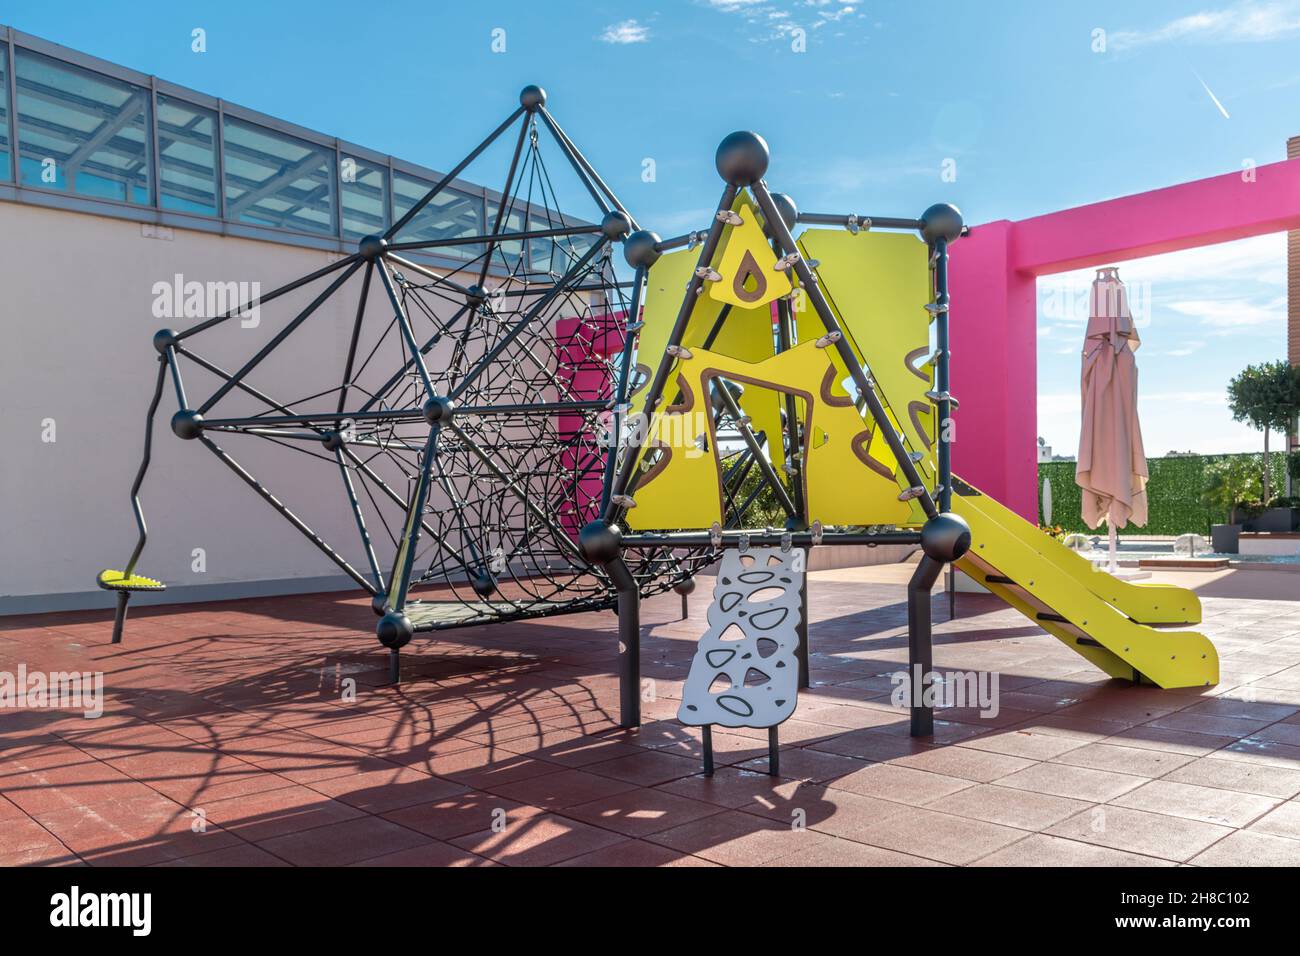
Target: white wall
76,293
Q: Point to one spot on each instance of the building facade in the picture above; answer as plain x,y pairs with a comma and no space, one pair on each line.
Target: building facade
127,204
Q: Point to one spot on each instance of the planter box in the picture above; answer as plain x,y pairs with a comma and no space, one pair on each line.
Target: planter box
1223,538
1273,520
1270,542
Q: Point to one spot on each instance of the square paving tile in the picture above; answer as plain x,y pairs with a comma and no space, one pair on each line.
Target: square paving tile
1079,783
1138,831
1215,771
1024,809
338,844
1208,804
1043,850
543,839
1283,821
1135,760
939,836
449,817
900,784
1250,848
639,812
738,839
636,853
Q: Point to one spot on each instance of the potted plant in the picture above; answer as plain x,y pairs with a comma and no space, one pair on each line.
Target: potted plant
1268,397
1231,483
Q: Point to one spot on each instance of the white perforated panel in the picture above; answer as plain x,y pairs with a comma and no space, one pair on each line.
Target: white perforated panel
745,672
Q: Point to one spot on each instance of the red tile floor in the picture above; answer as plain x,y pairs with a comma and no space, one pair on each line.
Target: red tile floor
228,739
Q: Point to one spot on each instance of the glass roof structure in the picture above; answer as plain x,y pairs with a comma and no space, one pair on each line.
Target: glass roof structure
80,133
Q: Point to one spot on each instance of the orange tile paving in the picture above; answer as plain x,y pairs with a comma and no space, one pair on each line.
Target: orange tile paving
229,739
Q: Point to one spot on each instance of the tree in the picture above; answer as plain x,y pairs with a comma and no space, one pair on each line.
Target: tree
1268,396
1229,482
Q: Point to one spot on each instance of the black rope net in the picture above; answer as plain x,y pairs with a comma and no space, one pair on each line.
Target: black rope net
525,337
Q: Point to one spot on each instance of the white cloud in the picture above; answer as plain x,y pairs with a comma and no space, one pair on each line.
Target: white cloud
1246,22
1232,313
776,22
626,31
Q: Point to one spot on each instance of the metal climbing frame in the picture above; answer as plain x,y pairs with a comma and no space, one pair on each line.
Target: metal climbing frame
742,161
465,425
478,425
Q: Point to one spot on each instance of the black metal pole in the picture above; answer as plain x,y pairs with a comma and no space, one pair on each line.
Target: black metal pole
414,211
119,616
629,642
943,409
141,528
554,233
732,539
576,154
279,337
263,299
866,222
356,335
404,325
794,454
504,342
288,515
805,676
621,386
764,465
920,651
501,203
406,365
665,364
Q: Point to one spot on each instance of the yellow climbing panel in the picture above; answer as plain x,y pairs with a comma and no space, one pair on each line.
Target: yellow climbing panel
877,285
747,264
849,472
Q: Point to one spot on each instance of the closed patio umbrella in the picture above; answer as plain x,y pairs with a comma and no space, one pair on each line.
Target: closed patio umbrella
1112,468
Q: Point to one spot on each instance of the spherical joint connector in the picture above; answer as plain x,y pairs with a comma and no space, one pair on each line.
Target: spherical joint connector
333,440
187,424
371,248
786,207
394,630
639,249
941,221
945,537
475,296
615,225
685,587
532,98
439,410
742,158
600,542
483,584
165,339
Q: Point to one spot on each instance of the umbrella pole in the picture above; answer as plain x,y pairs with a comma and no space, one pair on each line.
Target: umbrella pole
1114,544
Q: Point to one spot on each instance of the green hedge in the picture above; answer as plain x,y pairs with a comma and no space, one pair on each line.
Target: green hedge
1174,499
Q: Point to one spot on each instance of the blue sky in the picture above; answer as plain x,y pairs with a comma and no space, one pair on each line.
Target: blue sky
862,118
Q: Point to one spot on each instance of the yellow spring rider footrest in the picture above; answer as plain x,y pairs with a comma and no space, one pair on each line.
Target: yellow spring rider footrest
111,580
124,585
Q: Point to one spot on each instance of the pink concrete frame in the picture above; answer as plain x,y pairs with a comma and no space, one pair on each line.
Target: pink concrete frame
994,314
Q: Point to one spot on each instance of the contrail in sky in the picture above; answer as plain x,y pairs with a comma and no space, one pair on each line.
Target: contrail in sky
1210,92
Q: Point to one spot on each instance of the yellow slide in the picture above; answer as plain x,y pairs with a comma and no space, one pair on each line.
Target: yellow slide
1098,616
